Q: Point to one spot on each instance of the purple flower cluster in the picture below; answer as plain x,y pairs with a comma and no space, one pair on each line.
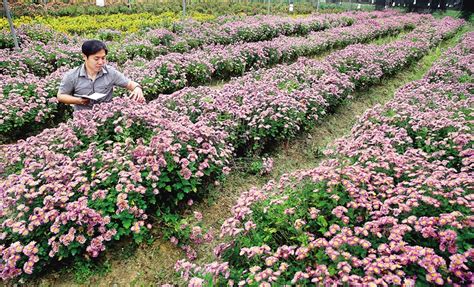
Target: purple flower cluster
173,71
93,179
391,206
457,67
188,233
279,102
27,101
41,58
187,269
267,165
28,34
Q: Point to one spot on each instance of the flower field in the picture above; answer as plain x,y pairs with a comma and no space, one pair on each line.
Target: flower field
391,206
32,76
99,177
46,55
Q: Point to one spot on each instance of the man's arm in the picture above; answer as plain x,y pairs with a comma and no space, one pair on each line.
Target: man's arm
70,100
136,91
121,80
66,89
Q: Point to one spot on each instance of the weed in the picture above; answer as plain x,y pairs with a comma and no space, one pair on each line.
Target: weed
84,268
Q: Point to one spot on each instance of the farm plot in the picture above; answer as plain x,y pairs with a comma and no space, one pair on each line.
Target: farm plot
391,205
71,190
31,98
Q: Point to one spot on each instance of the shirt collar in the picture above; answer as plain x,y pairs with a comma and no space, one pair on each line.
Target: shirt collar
83,72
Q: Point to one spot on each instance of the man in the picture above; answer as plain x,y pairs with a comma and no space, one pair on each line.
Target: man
94,76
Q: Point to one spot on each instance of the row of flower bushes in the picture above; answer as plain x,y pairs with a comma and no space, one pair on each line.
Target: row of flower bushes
221,30
20,108
186,36
291,97
70,190
82,24
216,8
44,51
391,206
172,72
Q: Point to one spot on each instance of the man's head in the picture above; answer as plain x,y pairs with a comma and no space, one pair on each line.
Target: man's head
94,53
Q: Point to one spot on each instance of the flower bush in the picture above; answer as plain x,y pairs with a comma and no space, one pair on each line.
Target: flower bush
187,232
72,189
291,98
27,104
390,206
175,71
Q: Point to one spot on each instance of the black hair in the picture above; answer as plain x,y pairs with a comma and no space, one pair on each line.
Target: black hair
90,47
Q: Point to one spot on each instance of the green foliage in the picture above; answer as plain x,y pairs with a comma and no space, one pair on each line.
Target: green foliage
256,166
6,41
84,269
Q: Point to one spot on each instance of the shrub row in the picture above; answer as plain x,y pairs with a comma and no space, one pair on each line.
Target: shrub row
44,51
185,36
290,98
84,24
169,73
176,71
214,8
391,205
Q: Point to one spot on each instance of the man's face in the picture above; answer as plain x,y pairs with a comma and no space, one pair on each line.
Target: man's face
95,62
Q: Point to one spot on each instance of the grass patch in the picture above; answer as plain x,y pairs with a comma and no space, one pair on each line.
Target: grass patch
85,269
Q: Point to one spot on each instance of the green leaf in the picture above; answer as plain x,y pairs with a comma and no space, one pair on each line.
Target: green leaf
127,223
322,221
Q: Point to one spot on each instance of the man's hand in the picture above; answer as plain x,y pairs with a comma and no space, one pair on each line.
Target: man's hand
82,101
137,95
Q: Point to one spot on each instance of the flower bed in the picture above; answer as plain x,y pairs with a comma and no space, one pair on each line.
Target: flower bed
91,23
277,103
175,71
70,190
215,9
391,206
169,73
48,48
